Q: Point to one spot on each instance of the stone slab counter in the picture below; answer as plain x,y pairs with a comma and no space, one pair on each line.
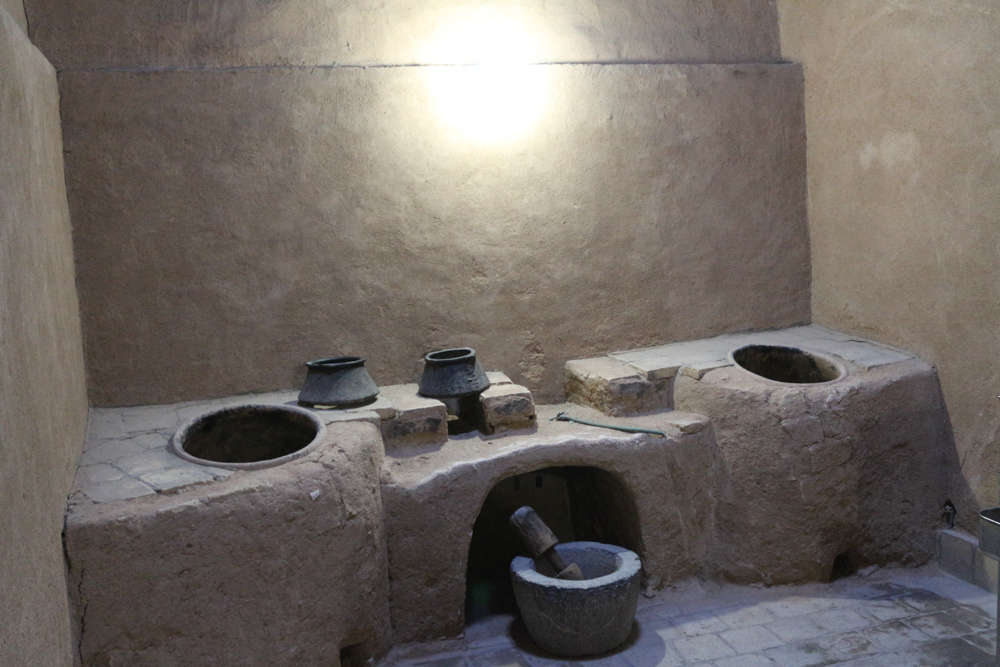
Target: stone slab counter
617,388
126,454
432,500
640,381
697,357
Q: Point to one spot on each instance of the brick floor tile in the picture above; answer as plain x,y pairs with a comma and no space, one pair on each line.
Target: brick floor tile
884,610
952,652
717,625
704,647
794,606
986,640
973,617
895,635
832,602
823,651
925,601
741,617
792,630
667,633
803,654
839,620
752,639
940,625
849,646
702,623
652,611
877,591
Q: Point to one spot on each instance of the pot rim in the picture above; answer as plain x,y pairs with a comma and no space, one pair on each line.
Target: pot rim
335,363
451,355
629,566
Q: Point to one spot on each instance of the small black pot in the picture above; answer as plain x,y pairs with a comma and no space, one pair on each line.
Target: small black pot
452,374
337,382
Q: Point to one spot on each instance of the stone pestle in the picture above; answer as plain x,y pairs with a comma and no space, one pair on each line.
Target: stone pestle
541,541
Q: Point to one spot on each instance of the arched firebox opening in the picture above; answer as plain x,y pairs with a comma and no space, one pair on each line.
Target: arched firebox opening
578,503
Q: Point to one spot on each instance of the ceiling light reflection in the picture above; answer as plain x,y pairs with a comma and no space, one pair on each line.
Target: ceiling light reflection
490,93
490,104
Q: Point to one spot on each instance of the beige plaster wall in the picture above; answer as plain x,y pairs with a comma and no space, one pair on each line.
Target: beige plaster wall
903,117
230,225
43,405
15,11
118,33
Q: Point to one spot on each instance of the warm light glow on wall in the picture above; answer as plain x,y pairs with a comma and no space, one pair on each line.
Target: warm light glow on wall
489,104
493,95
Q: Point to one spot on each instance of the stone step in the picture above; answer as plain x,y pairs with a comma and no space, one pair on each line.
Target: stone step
616,388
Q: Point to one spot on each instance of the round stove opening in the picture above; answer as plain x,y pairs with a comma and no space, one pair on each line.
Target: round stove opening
786,364
248,436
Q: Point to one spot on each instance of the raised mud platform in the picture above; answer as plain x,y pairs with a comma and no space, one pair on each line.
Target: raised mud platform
366,540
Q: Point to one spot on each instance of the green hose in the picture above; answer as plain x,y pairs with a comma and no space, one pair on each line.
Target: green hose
563,417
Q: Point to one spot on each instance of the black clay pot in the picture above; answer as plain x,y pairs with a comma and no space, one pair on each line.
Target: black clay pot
337,382
452,374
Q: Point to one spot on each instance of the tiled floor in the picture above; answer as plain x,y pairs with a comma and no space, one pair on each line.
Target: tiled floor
889,618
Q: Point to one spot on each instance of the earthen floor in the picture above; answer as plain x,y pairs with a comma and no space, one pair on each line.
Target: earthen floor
887,618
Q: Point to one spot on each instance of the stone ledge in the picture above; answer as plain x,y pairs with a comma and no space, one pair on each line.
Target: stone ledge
498,378
507,407
418,420
615,388
694,358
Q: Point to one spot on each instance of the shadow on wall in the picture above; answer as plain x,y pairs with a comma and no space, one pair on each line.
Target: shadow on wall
965,512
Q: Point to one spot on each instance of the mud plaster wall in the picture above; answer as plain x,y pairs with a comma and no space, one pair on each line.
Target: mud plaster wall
232,222
903,118
231,33
15,11
43,404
